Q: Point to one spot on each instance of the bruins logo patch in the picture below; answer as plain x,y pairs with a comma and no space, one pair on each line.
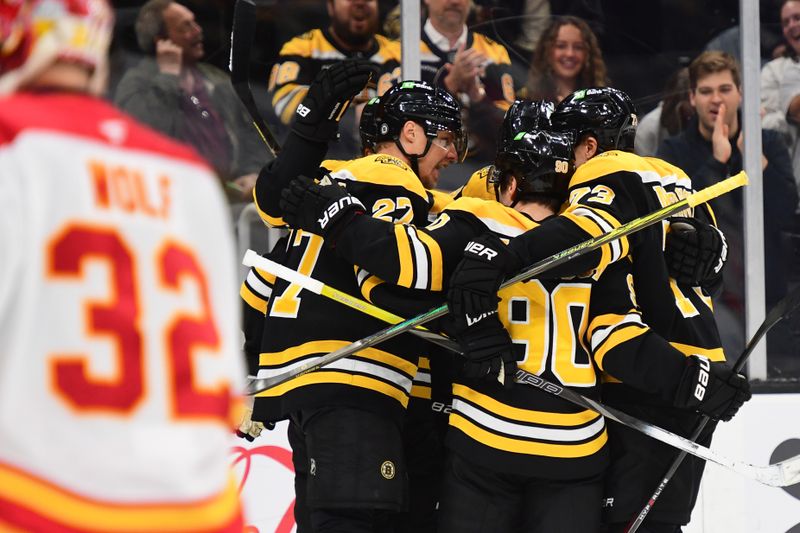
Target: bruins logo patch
388,470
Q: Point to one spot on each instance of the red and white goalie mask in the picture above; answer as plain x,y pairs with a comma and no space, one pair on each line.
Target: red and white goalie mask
36,33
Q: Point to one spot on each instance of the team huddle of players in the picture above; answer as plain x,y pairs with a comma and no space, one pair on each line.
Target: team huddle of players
409,433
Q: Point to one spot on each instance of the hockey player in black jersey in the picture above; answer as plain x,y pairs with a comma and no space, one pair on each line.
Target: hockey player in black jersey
520,459
610,187
346,419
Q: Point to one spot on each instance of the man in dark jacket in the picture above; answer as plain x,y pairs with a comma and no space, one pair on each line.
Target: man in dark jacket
709,150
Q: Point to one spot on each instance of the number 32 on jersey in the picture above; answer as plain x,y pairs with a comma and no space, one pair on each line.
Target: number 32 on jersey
116,319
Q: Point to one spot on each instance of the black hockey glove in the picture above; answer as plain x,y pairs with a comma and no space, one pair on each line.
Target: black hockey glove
711,389
474,284
323,208
317,116
695,252
488,351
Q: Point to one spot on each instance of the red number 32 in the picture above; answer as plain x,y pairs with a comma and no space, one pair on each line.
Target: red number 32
117,319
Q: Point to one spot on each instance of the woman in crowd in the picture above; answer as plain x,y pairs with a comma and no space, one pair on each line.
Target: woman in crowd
567,57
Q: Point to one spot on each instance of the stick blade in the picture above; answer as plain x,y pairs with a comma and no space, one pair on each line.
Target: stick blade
788,472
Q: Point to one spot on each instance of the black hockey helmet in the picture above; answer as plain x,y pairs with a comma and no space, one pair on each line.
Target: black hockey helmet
606,113
525,115
541,161
432,108
368,127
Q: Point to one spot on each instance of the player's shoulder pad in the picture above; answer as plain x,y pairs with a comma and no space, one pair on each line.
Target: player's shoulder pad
668,170
504,221
381,169
495,51
611,162
478,186
439,200
305,44
332,165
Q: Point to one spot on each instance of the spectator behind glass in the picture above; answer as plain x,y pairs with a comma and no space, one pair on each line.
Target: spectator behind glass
475,69
780,85
567,58
352,33
175,93
709,150
669,118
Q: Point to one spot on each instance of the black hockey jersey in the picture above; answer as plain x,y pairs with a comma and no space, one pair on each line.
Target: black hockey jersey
302,57
301,326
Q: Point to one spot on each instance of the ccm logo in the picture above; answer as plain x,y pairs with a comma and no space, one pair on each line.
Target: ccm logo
702,379
303,110
480,250
334,208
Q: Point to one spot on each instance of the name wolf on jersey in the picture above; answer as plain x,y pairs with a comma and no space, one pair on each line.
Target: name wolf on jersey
334,208
130,190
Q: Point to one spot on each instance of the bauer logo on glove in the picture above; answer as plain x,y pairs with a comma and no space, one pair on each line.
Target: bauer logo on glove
333,209
480,250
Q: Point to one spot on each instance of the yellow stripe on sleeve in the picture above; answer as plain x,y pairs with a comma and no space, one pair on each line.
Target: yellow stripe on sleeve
615,339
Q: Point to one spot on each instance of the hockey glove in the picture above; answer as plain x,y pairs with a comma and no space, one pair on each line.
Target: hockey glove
250,429
711,389
695,252
474,284
317,116
488,352
323,208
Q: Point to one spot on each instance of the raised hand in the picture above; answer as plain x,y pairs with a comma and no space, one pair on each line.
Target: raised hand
720,143
317,116
169,57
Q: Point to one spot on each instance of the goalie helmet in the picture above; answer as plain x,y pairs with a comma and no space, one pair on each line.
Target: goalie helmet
434,109
605,113
36,33
541,161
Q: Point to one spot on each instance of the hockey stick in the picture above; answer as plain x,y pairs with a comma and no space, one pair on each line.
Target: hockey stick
242,35
781,310
261,384
253,259
779,474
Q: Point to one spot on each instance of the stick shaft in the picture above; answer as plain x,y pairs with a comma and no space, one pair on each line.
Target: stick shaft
242,36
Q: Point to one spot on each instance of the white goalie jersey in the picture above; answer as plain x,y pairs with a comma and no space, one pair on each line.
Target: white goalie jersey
119,325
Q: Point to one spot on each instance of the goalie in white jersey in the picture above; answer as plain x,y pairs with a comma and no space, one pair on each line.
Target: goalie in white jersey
119,358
